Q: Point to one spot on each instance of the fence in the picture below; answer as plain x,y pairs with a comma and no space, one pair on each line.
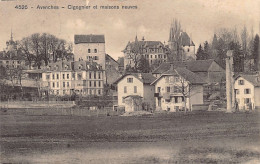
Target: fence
37,104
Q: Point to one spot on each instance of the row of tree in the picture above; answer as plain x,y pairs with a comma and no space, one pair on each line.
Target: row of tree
245,48
44,47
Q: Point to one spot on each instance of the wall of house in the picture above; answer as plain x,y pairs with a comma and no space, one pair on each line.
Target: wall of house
169,104
241,95
130,88
149,95
196,95
257,97
81,52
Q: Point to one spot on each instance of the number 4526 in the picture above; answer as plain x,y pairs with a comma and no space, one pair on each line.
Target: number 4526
21,7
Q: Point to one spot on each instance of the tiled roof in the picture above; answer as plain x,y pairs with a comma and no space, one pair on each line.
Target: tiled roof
185,73
252,78
194,66
73,66
89,39
185,40
146,78
145,44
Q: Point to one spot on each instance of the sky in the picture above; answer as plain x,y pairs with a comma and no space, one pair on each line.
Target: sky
151,19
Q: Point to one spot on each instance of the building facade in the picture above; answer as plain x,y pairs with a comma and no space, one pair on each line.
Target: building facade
247,91
90,48
178,88
136,87
153,51
79,77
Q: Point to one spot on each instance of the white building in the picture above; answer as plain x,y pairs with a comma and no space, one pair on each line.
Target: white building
155,52
90,47
247,91
80,77
135,88
177,87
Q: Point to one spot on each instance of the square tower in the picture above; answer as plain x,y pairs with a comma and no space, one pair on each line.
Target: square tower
90,48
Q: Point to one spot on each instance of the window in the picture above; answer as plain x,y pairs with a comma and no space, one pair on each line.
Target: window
164,56
79,76
188,50
64,84
95,84
68,76
155,56
96,58
151,56
90,84
240,82
168,89
88,50
57,84
63,76
94,75
125,89
47,77
99,92
68,84
58,92
99,84
176,79
176,99
53,85
89,75
130,80
135,89
95,50
99,75
57,76
247,100
158,89
90,92
53,76
247,91
237,91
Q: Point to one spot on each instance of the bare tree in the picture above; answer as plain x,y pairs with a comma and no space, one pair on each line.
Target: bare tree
175,39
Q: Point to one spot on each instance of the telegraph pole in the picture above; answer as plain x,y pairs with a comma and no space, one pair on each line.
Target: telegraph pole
230,96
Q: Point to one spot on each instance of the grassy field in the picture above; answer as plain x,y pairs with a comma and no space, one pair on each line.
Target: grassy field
205,137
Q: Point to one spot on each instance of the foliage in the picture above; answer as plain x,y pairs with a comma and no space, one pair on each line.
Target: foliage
256,52
143,65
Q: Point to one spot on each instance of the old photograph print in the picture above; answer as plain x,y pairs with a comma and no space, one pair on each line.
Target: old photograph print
129,81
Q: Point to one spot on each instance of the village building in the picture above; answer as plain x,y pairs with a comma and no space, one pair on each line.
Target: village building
212,73
247,91
79,77
178,89
155,52
90,48
135,91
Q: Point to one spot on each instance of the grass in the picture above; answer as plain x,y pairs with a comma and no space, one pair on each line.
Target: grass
204,137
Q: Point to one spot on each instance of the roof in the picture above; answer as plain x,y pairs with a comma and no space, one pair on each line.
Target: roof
144,44
73,66
252,78
185,73
185,40
133,96
194,66
108,57
10,55
89,39
146,78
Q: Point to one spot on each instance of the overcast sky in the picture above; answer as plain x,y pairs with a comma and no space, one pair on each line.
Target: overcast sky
199,18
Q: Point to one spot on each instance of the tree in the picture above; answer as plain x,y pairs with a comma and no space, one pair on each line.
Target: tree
256,52
206,50
238,57
44,47
200,53
135,55
175,39
143,65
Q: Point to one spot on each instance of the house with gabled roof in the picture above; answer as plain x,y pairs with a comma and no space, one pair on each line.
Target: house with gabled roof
247,91
134,89
178,89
